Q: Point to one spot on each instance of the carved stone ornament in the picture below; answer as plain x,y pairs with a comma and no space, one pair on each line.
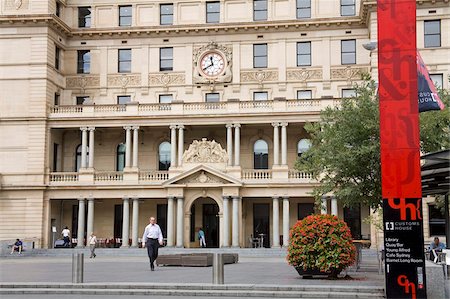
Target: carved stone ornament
348,73
124,81
304,75
16,4
205,151
225,51
260,76
82,82
166,79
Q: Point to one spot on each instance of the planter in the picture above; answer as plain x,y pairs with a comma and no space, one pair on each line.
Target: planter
308,273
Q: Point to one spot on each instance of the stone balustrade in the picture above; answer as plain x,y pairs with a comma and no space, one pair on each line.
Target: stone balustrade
64,177
153,176
295,174
256,174
108,176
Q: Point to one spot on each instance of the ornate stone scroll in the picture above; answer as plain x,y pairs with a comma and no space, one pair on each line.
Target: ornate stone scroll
124,80
260,76
83,82
205,151
165,80
304,75
348,73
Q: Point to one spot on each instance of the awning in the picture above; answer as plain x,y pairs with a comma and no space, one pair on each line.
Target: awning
435,171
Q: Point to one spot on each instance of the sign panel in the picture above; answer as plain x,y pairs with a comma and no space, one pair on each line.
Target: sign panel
399,143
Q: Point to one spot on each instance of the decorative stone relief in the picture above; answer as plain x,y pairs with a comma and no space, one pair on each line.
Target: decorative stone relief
205,151
348,73
198,52
202,178
16,4
166,79
124,81
304,75
259,76
82,82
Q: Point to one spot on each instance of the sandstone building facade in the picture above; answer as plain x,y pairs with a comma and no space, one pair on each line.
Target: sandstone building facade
189,111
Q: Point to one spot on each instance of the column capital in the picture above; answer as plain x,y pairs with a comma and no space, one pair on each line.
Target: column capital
229,126
125,198
284,124
172,127
181,127
83,128
135,127
225,197
275,124
91,128
237,125
285,197
127,127
81,199
275,197
90,199
236,197
134,198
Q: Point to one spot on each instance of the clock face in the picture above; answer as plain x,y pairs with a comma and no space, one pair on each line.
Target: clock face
212,64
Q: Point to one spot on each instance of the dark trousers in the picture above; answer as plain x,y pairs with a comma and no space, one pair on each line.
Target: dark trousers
66,242
152,249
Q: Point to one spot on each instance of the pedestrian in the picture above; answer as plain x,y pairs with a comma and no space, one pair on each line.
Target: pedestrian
17,245
66,233
201,237
152,239
92,243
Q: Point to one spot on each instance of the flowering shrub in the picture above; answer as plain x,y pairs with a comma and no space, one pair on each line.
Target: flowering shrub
321,242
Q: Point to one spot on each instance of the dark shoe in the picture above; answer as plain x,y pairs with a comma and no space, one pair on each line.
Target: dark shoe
152,267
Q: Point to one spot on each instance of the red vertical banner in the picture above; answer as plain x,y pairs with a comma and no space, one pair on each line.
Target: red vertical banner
400,155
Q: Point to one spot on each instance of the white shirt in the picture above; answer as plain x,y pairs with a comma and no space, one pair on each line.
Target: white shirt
152,231
92,240
65,232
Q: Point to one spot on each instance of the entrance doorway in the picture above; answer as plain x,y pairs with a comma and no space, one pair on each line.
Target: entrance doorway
261,223
211,224
353,218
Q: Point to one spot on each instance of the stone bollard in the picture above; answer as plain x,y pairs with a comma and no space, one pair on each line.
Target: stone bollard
77,267
218,274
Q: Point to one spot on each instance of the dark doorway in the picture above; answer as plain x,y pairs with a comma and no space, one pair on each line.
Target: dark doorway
118,220
304,210
261,223
161,218
74,229
352,216
211,224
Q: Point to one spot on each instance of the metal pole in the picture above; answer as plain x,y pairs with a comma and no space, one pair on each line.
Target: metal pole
218,275
77,267
447,221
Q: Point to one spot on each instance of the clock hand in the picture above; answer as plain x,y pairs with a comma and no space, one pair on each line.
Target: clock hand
207,67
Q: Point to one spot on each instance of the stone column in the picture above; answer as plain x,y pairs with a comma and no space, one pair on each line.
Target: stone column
90,216
127,147
173,146
126,223
284,143
334,206
230,144
80,232
180,219
226,223
180,144
276,222
285,221
237,144
323,207
235,222
135,146
83,147
276,144
91,148
135,225
170,228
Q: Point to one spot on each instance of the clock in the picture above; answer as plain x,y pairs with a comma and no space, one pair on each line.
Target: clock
212,64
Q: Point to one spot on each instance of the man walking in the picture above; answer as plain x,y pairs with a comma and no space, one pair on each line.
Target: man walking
151,239
66,234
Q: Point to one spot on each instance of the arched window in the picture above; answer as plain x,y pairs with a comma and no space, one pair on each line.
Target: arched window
78,157
302,146
120,161
164,155
261,154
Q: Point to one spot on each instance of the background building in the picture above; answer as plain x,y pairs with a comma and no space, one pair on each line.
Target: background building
190,111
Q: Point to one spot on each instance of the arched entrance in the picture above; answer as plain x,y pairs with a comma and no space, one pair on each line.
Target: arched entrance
205,215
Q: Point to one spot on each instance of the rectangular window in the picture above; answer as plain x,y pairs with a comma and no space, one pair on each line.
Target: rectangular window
259,10
260,96
213,12
58,9
165,98
166,14
57,57
82,99
304,94
56,99
259,55
84,17
348,8
432,33
124,61
304,54
303,9
122,100
436,221
166,59
348,93
83,62
55,157
437,80
125,15
212,97
348,51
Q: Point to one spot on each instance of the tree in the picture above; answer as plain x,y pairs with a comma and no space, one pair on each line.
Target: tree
345,152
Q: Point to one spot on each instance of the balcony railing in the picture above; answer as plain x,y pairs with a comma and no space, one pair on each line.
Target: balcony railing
108,176
198,108
64,177
295,174
256,174
153,176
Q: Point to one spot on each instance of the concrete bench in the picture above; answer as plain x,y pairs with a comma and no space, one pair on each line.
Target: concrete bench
194,259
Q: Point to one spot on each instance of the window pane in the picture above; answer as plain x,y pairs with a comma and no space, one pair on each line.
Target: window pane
121,148
348,93
303,145
433,40
125,15
303,9
304,48
348,10
348,45
164,156
303,60
260,61
212,97
165,98
348,58
260,96
125,55
121,100
304,94
166,53
81,100
213,17
432,27
260,50
84,62
84,17
166,14
437,80
261,147
260,15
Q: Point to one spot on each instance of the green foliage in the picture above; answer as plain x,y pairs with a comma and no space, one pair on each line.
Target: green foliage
321,242
345,152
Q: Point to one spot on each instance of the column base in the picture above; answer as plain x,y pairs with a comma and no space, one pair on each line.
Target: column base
80,246
124,247
276,246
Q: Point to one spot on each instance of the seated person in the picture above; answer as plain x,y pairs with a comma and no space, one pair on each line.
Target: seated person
18,245
436,245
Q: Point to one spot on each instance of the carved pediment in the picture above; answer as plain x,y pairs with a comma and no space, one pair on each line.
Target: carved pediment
203,176
205,151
